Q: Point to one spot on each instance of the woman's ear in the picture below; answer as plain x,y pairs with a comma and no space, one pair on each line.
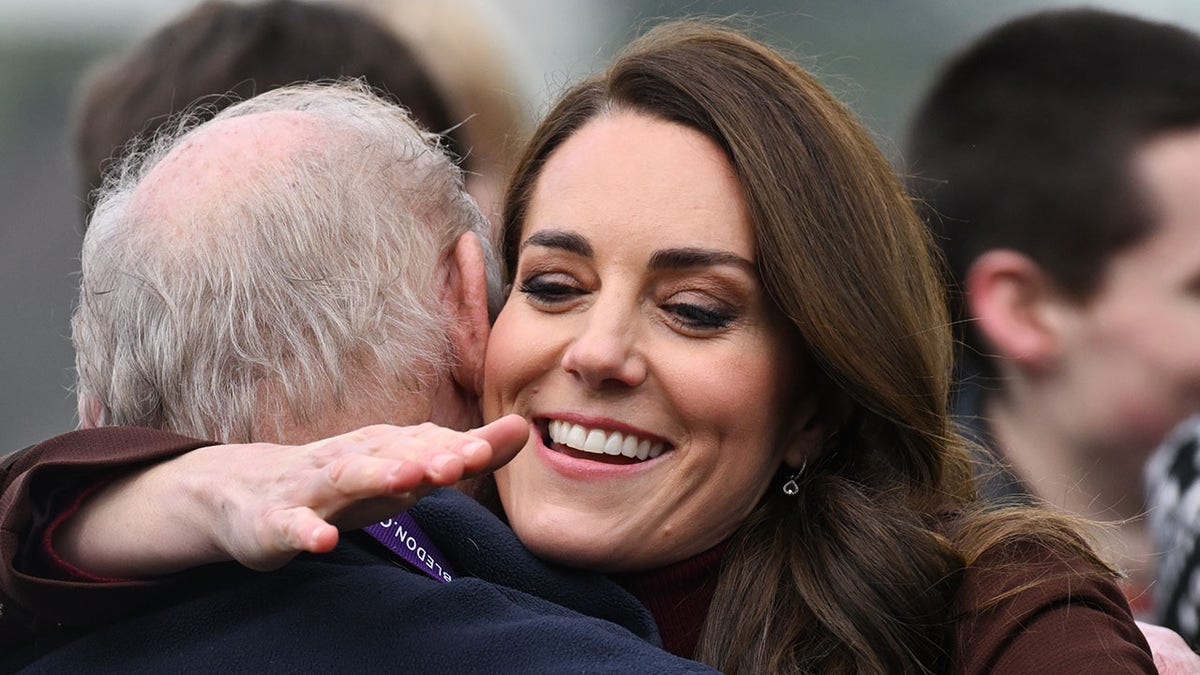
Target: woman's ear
803,441
464,296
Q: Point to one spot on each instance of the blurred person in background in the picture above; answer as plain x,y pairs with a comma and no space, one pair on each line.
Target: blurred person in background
469,62
1058,160
221,52
1173,496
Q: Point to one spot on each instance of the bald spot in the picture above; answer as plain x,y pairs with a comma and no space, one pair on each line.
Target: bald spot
216,164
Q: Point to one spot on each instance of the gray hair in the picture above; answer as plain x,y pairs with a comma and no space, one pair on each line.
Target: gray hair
318,291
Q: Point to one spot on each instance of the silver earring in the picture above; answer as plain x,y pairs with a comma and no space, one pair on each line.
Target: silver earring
791,488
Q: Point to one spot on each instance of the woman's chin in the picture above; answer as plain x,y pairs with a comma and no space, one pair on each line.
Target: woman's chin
573,545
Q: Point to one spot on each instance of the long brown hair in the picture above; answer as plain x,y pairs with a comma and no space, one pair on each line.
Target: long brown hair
855,574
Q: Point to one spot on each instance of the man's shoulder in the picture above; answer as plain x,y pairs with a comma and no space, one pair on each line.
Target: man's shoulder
95,447
355,610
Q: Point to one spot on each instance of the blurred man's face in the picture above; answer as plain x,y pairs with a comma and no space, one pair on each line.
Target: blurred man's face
1132,353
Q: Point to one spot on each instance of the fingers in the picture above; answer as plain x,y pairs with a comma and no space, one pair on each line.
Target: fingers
446,455
394,463
272,510
365,476
283,534
317,536
505,438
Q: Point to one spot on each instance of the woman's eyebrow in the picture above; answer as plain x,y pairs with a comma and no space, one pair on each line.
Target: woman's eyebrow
682,258
561,239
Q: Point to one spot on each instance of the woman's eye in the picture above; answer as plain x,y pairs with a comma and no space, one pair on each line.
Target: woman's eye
700,317
548,290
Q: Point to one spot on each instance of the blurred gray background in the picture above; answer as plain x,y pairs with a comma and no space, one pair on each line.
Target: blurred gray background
876,55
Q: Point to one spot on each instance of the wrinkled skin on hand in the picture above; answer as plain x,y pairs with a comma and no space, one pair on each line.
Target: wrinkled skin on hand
261,504
288,499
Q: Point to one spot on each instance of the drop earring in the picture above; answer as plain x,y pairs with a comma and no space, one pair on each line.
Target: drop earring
791,487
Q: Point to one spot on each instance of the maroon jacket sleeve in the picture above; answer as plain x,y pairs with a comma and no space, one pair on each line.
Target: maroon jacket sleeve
1030,610
30,483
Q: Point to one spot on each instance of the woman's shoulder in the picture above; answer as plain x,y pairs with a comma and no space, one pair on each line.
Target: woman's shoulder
1037,604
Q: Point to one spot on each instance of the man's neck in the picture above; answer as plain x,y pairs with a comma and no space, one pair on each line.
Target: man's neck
454,407
1073,479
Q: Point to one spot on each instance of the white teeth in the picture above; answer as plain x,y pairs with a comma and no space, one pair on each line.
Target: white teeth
594,442
613,445
602,442
576,437
630,446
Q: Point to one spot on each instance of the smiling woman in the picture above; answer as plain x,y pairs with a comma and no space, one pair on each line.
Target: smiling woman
639,317
729,347
709,255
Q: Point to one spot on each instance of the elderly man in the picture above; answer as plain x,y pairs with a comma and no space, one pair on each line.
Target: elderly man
301,265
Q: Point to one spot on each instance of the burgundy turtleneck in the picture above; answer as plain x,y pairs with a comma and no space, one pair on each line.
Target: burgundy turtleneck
678,597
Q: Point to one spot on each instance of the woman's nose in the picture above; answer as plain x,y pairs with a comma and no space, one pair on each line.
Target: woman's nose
604,353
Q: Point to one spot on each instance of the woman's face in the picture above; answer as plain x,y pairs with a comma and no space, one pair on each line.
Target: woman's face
641,346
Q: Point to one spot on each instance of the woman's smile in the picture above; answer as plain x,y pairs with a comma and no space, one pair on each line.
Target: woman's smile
597,443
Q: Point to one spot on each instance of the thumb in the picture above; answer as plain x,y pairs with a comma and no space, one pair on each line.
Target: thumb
506,435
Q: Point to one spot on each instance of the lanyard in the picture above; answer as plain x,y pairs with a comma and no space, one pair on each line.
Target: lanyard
405,538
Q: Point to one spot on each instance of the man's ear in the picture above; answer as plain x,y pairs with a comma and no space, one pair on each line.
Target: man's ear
89,412
465,299
1016,307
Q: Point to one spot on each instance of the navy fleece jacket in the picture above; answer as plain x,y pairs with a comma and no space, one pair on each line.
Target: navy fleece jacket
358,609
